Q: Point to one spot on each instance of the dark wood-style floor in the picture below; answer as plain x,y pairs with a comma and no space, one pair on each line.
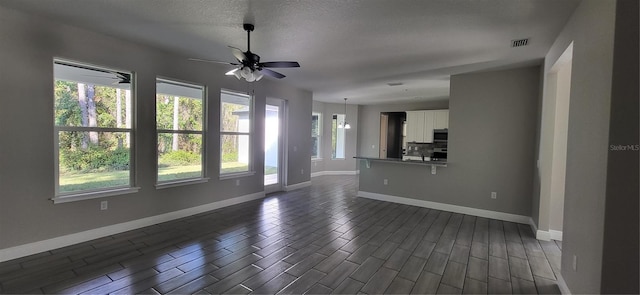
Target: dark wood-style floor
320,239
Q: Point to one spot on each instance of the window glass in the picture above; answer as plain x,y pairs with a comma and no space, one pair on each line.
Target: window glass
179,121
92,122
316,134
337,136
236,116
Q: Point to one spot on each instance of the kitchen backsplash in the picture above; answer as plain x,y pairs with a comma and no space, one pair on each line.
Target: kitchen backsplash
422,149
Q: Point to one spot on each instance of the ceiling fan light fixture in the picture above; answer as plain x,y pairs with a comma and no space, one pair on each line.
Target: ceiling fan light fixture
258,75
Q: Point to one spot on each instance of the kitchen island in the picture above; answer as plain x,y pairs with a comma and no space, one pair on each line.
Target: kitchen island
439,185
433,164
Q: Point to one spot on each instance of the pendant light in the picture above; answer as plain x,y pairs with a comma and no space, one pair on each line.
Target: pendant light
345,124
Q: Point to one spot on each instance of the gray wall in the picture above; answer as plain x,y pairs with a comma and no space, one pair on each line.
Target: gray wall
620,261
591,28
369,121
492,129
326,163
28,47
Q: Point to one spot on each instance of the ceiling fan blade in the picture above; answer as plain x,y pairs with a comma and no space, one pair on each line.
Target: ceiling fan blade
213,61
271,73
240,56
280,64
232,72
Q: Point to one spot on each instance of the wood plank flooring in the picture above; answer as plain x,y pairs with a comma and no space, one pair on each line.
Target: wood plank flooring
317,240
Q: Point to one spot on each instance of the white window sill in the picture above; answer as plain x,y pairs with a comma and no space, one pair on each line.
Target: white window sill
337,159
236,175
184,182
93,195
316,159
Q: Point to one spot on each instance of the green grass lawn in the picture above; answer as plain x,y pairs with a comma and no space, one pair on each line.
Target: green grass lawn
70,182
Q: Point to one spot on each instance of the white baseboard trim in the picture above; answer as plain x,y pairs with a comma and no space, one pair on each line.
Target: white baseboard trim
67,240
321,173
556,234
447,207
545,235
540,234
562,285
297,186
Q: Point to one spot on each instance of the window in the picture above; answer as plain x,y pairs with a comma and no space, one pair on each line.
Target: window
316,134
93,115
337,136
236,119
179,121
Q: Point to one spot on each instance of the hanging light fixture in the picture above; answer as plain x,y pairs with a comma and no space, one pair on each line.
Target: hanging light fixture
245,72
345,124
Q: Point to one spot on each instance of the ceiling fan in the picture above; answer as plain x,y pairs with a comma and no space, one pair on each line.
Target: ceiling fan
249,66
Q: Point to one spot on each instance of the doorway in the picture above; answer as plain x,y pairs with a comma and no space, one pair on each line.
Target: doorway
392,134
553,147
273,139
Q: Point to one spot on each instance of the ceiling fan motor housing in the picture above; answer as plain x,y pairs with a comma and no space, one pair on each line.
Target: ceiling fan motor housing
248,27
252,61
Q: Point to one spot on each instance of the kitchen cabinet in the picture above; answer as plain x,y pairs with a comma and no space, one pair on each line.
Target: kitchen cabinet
420,124
441,119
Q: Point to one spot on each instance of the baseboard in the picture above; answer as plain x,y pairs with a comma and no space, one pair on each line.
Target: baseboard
556,234
562,285
545,235
447,207
321,173
316,174
67,240
540,234
297,186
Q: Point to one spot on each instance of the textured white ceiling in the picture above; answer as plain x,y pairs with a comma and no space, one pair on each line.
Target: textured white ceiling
345,48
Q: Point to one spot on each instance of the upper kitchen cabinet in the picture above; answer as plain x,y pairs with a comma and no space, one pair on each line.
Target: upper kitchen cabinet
420,124
441,120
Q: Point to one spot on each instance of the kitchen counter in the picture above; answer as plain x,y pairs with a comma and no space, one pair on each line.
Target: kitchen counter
433,164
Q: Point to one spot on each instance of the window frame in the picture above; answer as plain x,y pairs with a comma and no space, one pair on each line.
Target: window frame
65,197
203,175
251,167
319,136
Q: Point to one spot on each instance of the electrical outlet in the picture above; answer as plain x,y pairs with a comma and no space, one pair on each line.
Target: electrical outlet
575,262
104,205
386,181
301,171
433,169
237,182
494,195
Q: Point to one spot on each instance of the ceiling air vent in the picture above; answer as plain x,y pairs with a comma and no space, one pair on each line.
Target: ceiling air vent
395,83
519,42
